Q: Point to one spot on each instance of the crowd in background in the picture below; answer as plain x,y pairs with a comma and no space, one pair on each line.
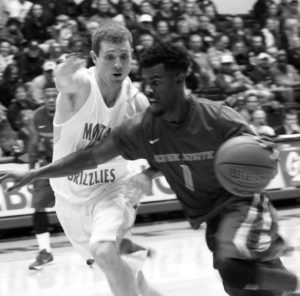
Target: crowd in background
250,61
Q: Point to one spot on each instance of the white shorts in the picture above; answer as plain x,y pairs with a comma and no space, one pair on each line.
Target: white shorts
103,218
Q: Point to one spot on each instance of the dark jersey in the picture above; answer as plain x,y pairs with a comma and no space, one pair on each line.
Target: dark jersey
185,153
43,129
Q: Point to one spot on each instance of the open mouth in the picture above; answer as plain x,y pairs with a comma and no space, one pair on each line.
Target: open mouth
117,74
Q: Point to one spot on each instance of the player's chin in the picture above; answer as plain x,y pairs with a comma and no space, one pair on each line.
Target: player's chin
156,110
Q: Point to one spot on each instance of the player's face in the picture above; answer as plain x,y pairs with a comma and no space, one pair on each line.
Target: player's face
113,62
160,88
50,99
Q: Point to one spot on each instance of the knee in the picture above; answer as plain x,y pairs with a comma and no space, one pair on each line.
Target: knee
105,253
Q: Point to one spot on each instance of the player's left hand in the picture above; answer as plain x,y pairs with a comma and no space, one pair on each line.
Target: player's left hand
19,178
142,182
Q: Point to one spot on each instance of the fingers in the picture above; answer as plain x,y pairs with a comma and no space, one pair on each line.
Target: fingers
13,187
75,61
4,176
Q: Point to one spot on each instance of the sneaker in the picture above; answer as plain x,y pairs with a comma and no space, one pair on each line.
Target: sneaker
43,258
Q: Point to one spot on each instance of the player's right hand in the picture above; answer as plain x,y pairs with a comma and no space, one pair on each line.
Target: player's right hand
70,65
19,178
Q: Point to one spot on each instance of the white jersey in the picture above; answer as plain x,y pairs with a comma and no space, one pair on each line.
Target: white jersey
92,123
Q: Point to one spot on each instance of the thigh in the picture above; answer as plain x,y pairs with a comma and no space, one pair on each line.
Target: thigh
112,218
42,195
76,224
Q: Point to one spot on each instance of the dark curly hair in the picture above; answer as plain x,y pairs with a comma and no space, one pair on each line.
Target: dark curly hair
173,57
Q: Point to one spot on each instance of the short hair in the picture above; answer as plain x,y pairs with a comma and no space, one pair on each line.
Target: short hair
173,57
111,32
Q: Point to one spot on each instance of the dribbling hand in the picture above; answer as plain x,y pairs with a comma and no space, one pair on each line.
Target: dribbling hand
19,178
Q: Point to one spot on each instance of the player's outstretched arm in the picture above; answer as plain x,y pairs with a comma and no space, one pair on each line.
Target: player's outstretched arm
68,165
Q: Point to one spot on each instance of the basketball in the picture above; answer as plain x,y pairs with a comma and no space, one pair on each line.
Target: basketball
244,165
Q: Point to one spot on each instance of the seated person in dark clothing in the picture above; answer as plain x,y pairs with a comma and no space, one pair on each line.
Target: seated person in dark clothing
290,123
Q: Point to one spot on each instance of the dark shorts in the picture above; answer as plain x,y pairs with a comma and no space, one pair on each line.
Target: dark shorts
247,230
42,195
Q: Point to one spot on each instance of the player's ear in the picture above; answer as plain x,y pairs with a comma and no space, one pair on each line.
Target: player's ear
93,56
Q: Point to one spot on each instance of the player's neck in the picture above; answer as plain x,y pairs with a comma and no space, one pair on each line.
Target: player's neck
109,91
179,114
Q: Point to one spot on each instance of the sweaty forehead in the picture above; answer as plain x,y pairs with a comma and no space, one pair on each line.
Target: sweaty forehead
157,71
107,46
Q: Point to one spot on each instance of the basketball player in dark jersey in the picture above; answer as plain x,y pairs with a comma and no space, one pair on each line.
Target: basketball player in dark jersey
40,150
179,136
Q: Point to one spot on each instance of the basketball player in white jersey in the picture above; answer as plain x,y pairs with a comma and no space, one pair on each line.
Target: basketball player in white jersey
96,208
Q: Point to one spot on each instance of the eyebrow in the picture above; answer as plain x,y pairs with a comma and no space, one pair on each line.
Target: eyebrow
113,51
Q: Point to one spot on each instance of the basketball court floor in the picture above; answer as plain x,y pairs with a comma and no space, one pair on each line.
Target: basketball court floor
181,265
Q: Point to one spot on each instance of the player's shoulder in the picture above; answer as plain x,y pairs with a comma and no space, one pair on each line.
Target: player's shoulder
213,107
206,106
39,112
134,96
39,115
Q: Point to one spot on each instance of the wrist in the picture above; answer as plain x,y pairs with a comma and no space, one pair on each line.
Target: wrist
151,173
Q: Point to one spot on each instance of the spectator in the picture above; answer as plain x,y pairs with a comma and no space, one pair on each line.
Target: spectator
145,23
54,51
259,124
241,56
251,104
146,7
204,23
30,61
219,49
261,74
21,101
129,10
195,48
4,14
11,79
168,13
238,31
96,11
135,73
293,10
66,7
12,33
290,36
8,137
35,25
290,123
6,55
145,40
190,15
38,83
183,31
256,47
270,33
286,76
163,32
225,78
19,9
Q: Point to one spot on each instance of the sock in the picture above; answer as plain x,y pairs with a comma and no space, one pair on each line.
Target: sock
43,240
